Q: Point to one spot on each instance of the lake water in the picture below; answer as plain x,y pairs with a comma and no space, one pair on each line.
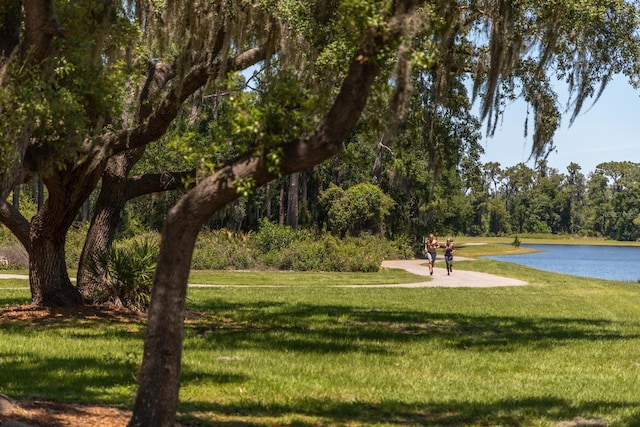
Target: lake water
603,262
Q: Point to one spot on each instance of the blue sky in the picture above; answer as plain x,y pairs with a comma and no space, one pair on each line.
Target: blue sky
608,131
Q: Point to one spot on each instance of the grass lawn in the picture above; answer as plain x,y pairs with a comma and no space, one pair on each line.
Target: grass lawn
306,353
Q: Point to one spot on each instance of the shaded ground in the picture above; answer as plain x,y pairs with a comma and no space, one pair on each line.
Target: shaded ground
37,413
50,414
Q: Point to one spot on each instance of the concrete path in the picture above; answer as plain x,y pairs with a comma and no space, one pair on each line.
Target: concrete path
13,276
457,279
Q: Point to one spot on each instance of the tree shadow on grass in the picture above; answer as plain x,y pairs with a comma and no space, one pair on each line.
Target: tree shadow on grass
511,412
11,297
338,329
322,329
104,380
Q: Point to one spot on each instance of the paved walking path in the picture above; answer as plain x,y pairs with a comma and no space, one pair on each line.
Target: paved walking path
457,279
13,276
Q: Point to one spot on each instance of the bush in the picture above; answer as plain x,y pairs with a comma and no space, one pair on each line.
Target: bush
130,266
219,250
274,237
328,253
516,242
361,208
74,244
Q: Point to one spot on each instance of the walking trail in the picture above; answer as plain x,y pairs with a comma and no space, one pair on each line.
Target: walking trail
440,279
457,279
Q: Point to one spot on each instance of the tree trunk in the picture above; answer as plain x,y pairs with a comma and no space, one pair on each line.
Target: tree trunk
292,201
117,189
48,277
91,274
304,191
40,193
267,197
85,211
281,202
16,197
157,400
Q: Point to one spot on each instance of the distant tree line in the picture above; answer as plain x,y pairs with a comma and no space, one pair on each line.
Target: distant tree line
469,199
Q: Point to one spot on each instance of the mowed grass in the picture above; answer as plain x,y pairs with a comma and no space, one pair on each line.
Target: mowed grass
312,354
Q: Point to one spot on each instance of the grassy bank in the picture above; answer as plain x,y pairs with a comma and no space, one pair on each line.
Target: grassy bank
309,354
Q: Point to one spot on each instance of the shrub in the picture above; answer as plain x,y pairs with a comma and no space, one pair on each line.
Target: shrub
328,253
361,208
273,237
516,242
74,243
303,255
357,254
219,250
130,266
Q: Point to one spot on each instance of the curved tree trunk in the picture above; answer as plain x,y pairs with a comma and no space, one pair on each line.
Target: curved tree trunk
157,398
91,274
116,191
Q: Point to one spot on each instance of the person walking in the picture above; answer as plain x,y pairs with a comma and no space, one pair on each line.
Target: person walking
449,249
431,246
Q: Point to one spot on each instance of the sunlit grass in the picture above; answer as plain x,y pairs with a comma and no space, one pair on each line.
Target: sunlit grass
282,278
536,355
14,284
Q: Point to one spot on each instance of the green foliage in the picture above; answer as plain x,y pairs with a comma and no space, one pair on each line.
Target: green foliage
360,209
328,253
130,266
498,218
273,237
303,251
247,123
283,112
283,248
223,249
357,254
516,242
74,243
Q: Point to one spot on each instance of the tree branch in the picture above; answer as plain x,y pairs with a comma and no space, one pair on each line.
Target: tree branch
168,109
154,183
11,217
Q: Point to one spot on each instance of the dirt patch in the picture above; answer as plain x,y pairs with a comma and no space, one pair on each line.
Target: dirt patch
35,413
35,315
